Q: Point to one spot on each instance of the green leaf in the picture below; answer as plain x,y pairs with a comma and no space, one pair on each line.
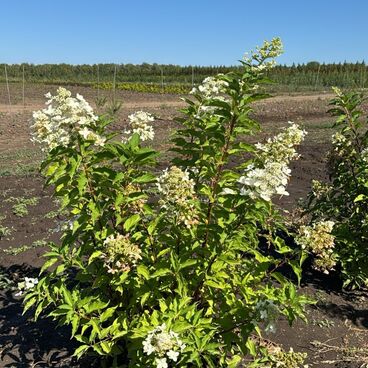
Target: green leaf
146,178
144,298
29,304
108,313
61,311
251,347
279,277
75,324
131,221
163,252
81,183
161,272
48,264
94,255
360,197
95,213
95,326
134,141
81,350
214,284
106,347
60,269
163,305
234,361
143,271
188,263
95,306
182,326
297,269
67,296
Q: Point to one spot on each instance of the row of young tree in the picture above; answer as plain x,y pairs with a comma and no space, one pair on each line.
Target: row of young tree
312,74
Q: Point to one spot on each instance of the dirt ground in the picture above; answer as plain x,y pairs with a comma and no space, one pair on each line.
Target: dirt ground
337,331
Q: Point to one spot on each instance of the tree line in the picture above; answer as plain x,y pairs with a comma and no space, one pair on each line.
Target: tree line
312,74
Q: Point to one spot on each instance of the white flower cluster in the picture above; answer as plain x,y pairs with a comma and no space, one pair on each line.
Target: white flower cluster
319,240
338,139
364,155
120,254
134,205
340,143
211,87
177,195
265,182
64,118
275,156
27,284
269,50
203,109
337,91
267,312
164,345
138,122
281,148
90,135
319,189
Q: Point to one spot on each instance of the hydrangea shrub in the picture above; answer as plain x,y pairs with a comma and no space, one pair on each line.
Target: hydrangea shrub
338,209
178,268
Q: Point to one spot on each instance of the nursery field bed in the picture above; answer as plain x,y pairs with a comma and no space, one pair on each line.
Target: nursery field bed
337,330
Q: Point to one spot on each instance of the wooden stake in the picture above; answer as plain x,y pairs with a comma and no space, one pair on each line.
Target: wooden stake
23,95
114,84
316,82
7,86
162,79
98,81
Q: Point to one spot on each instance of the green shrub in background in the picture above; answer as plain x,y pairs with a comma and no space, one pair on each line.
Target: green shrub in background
148,87
338,235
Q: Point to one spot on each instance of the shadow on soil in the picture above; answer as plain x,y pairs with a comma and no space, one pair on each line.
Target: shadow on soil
26,343
346,303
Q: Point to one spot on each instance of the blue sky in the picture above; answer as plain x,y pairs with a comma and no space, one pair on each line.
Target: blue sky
201,32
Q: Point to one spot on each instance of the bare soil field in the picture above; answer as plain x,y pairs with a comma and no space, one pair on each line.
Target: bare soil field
336,334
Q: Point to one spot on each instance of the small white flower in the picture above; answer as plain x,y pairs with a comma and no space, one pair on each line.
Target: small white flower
148,348
27,284
263,314
161,363
173,355
30,282
364,155
270,328
161,342
85,132
100,141
228,191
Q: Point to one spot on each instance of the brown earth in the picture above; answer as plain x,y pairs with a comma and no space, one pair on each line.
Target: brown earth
338,323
